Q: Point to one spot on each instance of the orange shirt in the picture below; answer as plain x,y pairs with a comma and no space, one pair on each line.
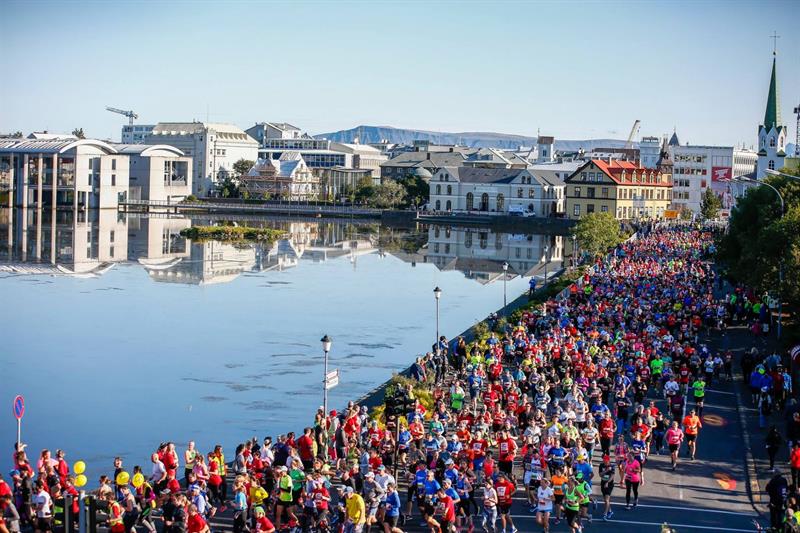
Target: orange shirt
692,424
558,482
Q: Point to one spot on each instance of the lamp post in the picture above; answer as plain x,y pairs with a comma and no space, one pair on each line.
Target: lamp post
780,263
505,272
437,293
574,250
546,260
326,347
776,173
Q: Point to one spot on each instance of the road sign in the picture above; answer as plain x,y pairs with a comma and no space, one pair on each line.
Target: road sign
19,407
332,379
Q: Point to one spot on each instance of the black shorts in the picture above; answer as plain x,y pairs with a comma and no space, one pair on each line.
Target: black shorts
673,447
607,488
572,516
504,508
391,521
463,506
44,524
691,438
558,499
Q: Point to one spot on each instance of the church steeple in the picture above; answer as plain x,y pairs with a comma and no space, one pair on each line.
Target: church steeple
772,116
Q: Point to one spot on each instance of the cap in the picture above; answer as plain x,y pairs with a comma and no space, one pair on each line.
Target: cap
606,457
369,474
333,412
348,490
381,467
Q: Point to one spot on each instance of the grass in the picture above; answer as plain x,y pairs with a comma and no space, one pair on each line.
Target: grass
231,233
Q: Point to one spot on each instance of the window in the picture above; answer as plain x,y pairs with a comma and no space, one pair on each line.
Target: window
482,238
604,209
449,190
111,236
577,192
468,239
576,210
591,176
449,205
519,192
590,192
531,193
589,208
500,202
113,180
113,164
604,192
438,205
438,189
470,201
484,202
771,164
772,142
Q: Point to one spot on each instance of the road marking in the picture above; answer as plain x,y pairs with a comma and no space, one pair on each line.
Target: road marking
713,528
698,509
721,392
680,487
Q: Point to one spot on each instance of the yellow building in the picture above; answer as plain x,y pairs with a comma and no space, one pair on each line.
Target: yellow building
622,188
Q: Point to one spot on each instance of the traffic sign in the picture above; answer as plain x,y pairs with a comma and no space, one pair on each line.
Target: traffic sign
19,407
332,379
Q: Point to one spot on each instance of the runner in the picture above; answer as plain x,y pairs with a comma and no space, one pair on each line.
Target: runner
691,428
545,497
674,438
606,485
633,470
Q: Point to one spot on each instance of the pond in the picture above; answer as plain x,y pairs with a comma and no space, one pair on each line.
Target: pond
122,334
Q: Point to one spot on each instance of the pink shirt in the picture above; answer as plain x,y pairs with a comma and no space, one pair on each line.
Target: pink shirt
633,471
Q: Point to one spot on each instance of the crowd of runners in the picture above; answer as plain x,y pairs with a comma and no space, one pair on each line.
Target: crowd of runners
549,418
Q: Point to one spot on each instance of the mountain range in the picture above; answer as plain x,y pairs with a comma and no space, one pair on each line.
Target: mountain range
477,139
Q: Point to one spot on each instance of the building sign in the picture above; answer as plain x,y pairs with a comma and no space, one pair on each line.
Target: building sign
670,213
721,173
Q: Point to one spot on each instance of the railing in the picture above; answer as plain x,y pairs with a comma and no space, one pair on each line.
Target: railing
281,208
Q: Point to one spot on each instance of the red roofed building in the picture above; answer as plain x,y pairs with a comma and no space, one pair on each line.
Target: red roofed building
623,188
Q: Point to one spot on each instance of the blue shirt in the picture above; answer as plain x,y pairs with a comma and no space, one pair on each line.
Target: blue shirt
431,487
393,504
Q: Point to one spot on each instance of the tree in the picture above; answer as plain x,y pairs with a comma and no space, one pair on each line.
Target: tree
227,188
78,132
387,195
17,135
685,213
710,205
598,232
417,189
242,167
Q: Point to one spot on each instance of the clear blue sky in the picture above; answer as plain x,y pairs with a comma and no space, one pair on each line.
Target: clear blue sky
573,69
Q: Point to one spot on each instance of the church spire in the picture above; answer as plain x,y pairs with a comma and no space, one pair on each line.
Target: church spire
772,116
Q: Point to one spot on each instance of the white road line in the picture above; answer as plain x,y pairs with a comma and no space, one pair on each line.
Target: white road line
698,509
712,528
721,392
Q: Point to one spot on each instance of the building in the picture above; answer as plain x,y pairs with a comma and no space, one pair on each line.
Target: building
494,191
214,149
404,163
545,149
772,132
286,178
622,188
157,172
696,167
273,130
136,133
649,152
82,173
337,180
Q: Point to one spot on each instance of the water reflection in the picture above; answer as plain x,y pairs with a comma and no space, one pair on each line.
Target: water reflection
89,243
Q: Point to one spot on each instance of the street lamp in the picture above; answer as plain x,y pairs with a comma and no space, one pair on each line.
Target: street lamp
780,263
326,347
782,174
505,271
574,250
546,260
437,293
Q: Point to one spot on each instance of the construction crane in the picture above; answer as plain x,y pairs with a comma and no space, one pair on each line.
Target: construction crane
130,114
634,131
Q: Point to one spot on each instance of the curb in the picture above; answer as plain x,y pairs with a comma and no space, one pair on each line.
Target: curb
750,464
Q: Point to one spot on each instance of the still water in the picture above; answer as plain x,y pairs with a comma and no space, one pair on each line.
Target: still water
122,334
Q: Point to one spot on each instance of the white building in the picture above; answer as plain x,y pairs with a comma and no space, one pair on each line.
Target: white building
493,191
82,173
649,152
273,130
214,148
136,133
771,133
287,178
157,172
696,168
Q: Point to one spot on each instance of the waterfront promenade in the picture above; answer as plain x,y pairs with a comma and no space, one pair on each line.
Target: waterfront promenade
587,356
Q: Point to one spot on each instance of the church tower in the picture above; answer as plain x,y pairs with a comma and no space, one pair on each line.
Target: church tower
771,133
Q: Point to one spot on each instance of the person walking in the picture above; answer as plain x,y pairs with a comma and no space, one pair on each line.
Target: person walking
773,442
633,473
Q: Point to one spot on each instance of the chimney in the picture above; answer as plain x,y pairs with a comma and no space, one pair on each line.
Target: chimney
428,156
451,149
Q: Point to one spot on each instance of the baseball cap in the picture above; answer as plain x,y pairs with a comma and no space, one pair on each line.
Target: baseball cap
348,490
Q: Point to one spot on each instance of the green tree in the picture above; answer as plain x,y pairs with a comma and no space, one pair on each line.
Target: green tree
78,132
598,232
387,195
227,188
17,135
242,167
710,205
417,189
685,213
759,239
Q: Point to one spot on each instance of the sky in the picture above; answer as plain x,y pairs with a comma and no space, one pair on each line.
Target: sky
575,70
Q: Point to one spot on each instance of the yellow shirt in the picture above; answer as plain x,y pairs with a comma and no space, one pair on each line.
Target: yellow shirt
356,512
258,495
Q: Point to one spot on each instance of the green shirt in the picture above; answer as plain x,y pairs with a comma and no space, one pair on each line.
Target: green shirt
583,490
571,499
699,389
285,485
457,400
656,366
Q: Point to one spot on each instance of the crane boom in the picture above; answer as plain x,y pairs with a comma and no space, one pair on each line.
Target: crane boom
634,131
130,114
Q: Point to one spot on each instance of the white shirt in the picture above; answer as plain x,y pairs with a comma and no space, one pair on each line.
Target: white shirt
42,502
545,498
158,471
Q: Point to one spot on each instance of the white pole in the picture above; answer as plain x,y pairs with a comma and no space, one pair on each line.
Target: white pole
325,387
19,432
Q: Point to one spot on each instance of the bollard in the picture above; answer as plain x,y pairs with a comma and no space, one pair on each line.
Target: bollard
68,513
82,500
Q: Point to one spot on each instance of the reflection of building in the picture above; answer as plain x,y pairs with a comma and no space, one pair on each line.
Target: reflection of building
480,254
215,148
42,241
83,173
624,189
156,242
287,178
208,263
158,172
